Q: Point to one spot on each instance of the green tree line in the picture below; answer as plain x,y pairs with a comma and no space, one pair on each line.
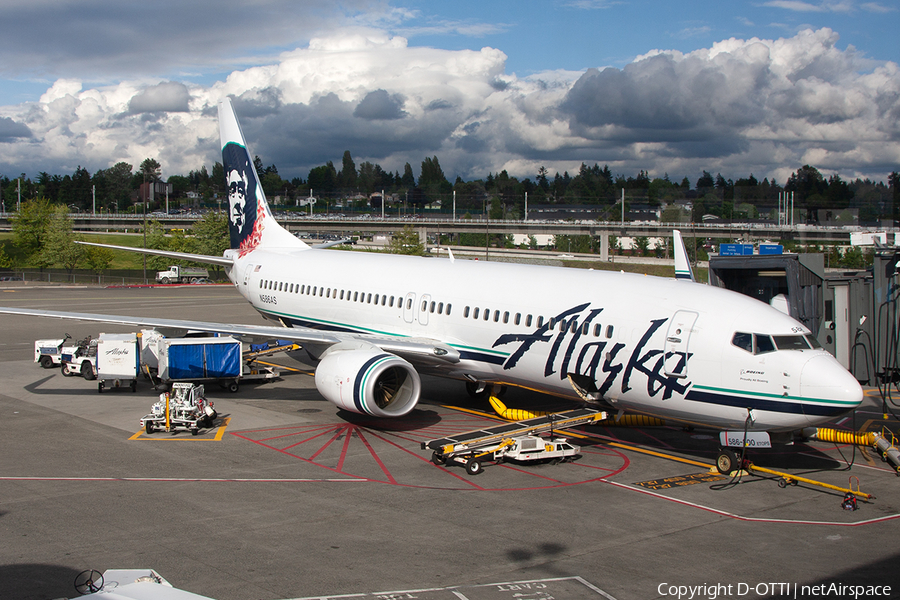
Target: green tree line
500,195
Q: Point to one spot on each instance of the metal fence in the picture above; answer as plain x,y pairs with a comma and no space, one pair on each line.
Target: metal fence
84,277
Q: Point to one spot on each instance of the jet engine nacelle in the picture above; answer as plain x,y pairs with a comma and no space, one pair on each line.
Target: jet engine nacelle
365,379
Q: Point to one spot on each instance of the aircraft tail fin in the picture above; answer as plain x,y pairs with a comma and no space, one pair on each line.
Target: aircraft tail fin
250,222
683,269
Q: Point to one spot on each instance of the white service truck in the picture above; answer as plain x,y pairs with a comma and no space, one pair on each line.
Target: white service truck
118,361
177,274
48,353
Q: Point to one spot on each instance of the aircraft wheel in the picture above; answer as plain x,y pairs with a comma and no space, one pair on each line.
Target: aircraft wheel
87,371
726,461
438,458
473,466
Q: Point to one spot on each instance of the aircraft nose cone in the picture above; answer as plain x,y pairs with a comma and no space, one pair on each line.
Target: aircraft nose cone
827,388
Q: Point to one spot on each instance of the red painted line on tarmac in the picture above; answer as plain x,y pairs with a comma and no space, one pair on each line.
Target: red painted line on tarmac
336,435
533,474
611,471
347,437
318,435
325,428
378,460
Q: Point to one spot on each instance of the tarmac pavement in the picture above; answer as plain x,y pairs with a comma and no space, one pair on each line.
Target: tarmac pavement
288,497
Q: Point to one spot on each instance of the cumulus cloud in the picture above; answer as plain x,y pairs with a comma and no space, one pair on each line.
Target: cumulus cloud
168,96
10,130
380,105
740,106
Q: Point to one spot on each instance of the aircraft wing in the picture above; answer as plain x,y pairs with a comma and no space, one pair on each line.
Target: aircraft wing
416,350
225,261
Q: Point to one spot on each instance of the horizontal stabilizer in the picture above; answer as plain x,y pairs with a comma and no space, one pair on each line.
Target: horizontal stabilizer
200,258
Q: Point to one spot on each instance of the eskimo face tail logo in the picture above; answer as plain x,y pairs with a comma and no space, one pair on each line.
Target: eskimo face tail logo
244,226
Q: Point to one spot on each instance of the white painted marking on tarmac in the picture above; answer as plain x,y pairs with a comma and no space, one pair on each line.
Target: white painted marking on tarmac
184,479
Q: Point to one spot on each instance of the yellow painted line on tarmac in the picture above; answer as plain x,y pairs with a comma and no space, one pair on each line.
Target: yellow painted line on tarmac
220,432
588,436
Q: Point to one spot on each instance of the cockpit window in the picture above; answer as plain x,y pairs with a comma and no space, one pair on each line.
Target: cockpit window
813,341
791,342
754,343
763,343
744,341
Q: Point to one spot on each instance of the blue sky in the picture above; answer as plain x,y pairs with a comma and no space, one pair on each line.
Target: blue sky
576,35
667,87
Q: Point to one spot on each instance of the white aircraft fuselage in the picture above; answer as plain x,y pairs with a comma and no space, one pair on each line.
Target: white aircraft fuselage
651,345
669,348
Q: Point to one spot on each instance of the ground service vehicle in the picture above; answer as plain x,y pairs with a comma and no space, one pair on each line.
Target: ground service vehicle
185,407
177,274
48,353
118,361
80,359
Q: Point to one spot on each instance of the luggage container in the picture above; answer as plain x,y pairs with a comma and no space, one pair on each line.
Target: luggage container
117,361
197,359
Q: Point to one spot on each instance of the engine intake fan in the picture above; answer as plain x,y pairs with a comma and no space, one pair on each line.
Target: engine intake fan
364,379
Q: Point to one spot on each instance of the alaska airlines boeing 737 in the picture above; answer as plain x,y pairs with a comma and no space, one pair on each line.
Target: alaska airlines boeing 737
669,348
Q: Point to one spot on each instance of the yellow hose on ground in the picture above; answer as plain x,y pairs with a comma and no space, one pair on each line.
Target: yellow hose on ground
858,438
519,414
514,414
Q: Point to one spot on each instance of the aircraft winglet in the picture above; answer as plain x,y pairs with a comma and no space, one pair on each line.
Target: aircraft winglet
683,269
